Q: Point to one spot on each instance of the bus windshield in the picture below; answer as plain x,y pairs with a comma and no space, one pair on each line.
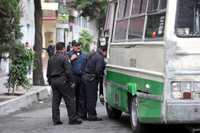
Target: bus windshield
187,18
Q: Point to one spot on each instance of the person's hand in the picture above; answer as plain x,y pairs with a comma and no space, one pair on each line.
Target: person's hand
101,98
74,57
72,85
49,82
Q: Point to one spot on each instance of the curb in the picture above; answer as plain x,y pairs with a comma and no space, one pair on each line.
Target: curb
23,101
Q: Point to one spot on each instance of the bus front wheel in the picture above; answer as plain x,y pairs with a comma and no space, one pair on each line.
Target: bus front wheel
112,112
137,127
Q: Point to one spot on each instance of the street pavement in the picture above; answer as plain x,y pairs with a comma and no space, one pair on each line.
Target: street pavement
37,119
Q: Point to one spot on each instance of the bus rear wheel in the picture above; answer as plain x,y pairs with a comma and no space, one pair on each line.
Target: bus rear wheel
112,112
136,126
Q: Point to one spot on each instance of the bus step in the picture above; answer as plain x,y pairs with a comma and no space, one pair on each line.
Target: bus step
194,129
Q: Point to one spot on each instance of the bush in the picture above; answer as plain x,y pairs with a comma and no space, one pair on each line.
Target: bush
86,40
20,61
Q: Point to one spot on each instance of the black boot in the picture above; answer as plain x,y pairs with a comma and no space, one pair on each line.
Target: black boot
58,123
94,119
75,122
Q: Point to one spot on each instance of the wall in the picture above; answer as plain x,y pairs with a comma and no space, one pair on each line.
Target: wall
27,22
49,27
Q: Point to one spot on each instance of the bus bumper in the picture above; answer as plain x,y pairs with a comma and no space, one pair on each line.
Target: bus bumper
183,111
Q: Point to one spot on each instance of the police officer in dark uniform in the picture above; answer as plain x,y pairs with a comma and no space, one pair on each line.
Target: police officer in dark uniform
78,62
93,73
60,78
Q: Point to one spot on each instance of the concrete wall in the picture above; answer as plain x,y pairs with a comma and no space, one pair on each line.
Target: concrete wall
49,27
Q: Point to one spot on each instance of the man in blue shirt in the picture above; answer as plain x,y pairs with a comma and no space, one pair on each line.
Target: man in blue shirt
78,61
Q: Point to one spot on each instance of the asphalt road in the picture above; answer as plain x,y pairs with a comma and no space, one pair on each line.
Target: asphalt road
37,119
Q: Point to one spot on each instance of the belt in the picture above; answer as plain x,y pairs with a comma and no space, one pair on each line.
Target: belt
56,76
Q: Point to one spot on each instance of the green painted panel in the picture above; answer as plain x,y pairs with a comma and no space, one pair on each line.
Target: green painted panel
149,110
117,95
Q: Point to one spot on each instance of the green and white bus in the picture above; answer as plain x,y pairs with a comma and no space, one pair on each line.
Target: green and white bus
153,69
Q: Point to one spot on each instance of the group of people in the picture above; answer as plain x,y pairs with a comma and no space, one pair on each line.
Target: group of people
75,76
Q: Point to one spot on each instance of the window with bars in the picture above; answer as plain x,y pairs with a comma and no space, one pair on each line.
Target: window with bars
137,19
142,22
155,19
122,21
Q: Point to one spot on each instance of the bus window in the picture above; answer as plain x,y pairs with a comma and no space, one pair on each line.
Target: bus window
136,27
155,19
127,8
109,18
187,18
137,19
120,30
124,8
121,9
139,6
153,5
122,20
163,4
136,7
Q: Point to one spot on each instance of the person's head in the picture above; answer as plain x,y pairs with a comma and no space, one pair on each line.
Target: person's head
76,46
103,50
60,47
68,48
73,42
26,44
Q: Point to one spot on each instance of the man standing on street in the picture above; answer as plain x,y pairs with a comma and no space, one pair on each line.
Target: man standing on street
78,61
93,73
60,78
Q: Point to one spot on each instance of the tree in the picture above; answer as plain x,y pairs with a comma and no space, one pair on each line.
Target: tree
10,25
19,69
10,35
85,39
95,9
38,78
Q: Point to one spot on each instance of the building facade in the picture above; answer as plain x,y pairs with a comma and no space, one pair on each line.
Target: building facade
27,22
61,22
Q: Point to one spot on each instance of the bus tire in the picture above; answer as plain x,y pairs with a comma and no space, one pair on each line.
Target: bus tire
112,112
136,126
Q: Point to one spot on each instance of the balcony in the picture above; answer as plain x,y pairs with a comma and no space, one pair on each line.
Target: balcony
50,8
49,15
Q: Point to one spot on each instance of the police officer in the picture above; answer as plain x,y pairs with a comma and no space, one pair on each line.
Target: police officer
93,73
78,61
60,78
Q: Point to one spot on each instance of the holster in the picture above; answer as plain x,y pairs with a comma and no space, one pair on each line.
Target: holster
90,77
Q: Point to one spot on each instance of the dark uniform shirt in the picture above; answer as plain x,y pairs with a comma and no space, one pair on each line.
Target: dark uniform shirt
58,66
78,64
95,64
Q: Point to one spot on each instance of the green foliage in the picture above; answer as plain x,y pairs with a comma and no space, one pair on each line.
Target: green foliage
21,58
95,9
85,39
19,67
10,24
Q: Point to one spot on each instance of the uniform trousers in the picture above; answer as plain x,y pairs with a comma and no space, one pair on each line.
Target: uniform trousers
61,89
89,96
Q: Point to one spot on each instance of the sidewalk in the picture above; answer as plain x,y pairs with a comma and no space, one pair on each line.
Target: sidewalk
10,104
